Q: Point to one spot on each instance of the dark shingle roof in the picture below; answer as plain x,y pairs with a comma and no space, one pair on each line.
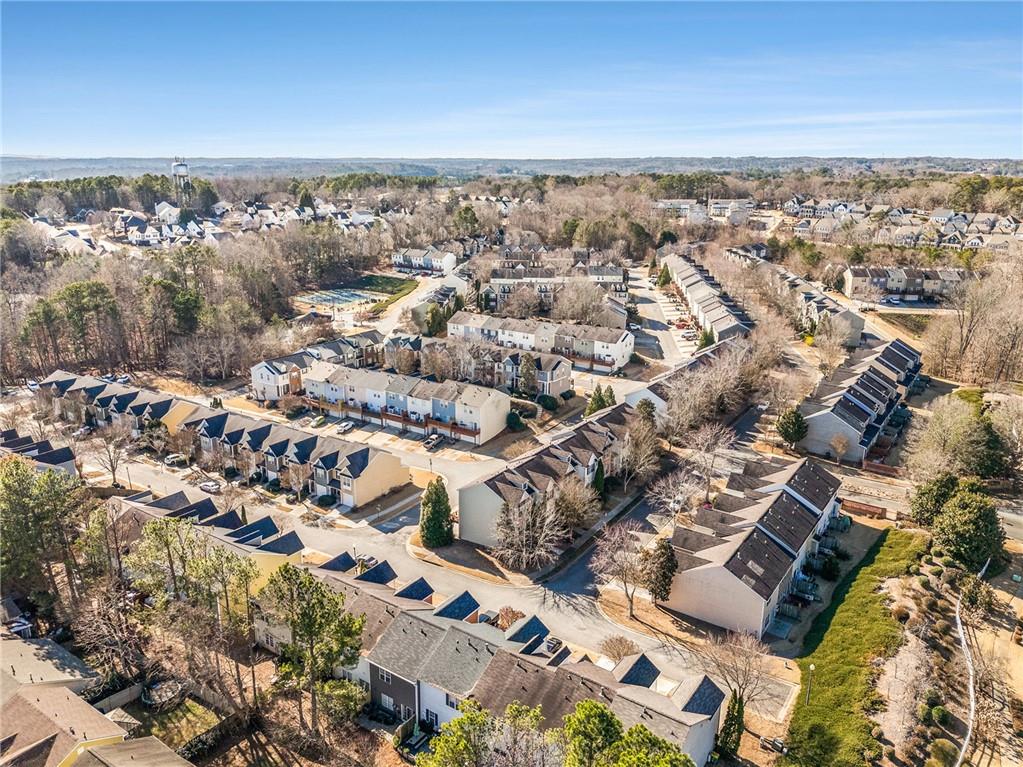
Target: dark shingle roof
760,563
636,669
788,521
405,645
342,563
287,544
525,629
382,573
458,607
815,484
417,589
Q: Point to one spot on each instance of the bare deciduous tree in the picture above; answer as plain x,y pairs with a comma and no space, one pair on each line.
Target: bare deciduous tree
740,661
521,303
109,446
675,493
618,559
576,502
529,535
640,454
705,443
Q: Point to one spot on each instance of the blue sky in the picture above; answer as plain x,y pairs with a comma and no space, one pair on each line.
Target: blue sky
517,80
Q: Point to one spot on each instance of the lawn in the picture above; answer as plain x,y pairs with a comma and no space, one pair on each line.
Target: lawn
381,283
914,323
396,288
176,726
834,729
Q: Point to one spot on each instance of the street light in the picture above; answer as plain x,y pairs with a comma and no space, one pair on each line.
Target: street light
809,684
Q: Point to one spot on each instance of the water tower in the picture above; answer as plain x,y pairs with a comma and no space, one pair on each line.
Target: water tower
182,183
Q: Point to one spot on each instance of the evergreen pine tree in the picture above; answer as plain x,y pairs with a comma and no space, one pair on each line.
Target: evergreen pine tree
435,527
732,729
664,277
609,397
660,566
596,402
792,426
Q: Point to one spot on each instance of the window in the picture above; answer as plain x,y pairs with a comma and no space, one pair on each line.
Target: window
450,701
432,718
387,702
385,676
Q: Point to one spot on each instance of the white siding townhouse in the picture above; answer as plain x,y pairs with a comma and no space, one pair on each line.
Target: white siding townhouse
468,412
740,560
853,406
429,259
716,311
587,346
274,378
534,478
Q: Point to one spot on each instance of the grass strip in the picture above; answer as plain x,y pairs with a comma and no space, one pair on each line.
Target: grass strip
833,730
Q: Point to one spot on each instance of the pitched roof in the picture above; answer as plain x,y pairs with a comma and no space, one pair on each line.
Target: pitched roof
138,752
38,661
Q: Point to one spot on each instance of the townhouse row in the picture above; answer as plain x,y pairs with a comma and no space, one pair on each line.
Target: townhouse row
587,346
534,479
848,414
741,558
546,281
717,312
41,452
812,306
493,365
348,473
272,379
464,411
430,259
865,282
424,652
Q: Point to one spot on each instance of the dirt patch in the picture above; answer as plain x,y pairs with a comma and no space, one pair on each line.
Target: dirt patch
902,682
468,559
170,384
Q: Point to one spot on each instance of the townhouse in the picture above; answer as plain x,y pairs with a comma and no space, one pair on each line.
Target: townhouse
534,477
351,474
727,207
717,312
587,346
41,452
464,411
423,653
740,558
675,207
278,377
660,389
848,413
813,307
430,259
547,280
909,283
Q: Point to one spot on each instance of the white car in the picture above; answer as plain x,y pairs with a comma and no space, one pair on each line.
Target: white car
210,487
32,384
174,459
345,426
634,327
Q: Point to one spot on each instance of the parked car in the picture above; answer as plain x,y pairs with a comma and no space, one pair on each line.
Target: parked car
210,486
32,384
345,426
84,431
123,378
634,327
175,459
319,421
433,441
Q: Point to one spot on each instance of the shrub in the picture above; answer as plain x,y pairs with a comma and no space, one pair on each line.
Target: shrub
941,716
830,569
936,572
567,395
324,500
931,604
944,752
924,581
914,569
877,733
937,551
923,713
900,613
889,753
932,697
514,421
547,402
943,627
617,647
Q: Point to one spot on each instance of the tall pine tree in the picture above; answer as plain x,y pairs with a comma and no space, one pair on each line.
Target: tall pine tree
732,729
660,567
435,527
